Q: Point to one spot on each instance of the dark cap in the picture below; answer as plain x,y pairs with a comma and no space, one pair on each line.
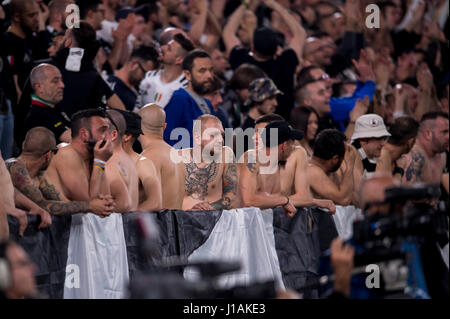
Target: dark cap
284,130
261,89
265,41
133,121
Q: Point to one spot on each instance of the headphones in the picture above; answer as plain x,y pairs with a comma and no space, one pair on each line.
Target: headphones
5,269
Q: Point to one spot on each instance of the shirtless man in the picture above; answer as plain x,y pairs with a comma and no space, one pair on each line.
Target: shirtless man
77,170
27,171
259,182
155,165
426,161
293,176
403,136
120,168
330,155
211,175
13,202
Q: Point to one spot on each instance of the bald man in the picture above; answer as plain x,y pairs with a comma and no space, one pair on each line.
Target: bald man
211,173
48,88
27,171
156,171
120,168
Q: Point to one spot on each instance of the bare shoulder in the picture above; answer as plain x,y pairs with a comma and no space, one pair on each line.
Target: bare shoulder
300,154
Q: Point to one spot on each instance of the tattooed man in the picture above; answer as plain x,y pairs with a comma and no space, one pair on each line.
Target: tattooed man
403,136
426,161
211,176
259,180
27,176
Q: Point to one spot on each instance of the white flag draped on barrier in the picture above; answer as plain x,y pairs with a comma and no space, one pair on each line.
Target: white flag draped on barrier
97,248
244,235
344,218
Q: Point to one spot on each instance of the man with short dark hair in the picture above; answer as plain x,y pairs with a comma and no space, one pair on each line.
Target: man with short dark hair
186,105
403,136
48,89
132,132
77,170
330,155
126,80
158,86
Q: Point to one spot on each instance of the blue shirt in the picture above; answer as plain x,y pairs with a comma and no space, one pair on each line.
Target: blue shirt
181,111
342,106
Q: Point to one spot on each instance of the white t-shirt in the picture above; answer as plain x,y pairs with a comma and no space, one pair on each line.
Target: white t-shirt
153,90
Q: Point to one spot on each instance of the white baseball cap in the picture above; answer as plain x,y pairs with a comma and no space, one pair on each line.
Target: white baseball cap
369,126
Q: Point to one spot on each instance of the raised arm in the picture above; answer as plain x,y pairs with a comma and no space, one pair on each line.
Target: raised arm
229,36
297,42
152,185
199,20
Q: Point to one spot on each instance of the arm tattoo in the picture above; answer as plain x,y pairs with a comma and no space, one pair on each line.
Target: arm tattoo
22,180
63,208
251,167
415,168
229,188
49,190
197,179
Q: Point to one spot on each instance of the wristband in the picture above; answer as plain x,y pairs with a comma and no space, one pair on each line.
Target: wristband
399,170
98,161
287,201
99,167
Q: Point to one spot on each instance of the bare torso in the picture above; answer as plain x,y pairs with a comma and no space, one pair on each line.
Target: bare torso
125,168
171,174
7,188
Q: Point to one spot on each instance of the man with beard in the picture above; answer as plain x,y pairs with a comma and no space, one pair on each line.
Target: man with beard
26,39
259,171
186,105
211,176
28,169
48,87
127,79
159,85
330,155
77,171
426,161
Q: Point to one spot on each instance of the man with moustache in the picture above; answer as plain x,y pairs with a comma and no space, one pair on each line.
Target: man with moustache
48,87
186,105
211,175
77,171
